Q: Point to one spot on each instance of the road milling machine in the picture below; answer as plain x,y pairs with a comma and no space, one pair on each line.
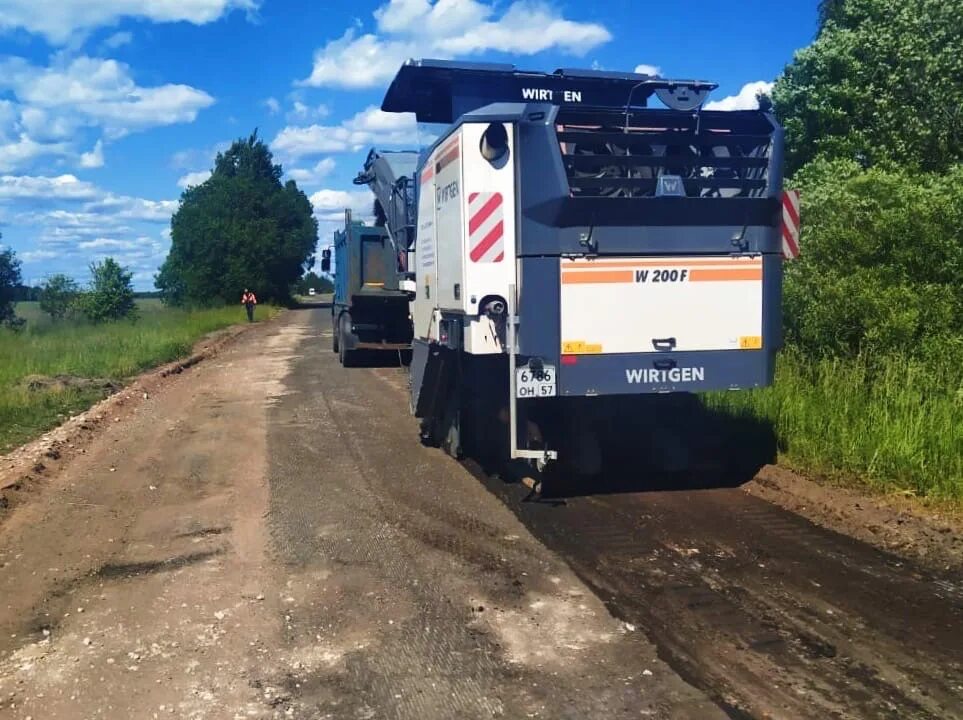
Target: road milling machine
575,251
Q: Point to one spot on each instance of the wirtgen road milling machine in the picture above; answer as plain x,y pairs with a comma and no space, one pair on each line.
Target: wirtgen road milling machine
577,253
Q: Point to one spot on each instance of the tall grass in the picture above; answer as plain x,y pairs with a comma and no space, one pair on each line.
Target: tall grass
114,351
893,422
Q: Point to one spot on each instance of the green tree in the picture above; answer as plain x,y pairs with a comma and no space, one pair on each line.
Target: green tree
241,228
881,263
9,287
111,295
313,280
880,84
57,295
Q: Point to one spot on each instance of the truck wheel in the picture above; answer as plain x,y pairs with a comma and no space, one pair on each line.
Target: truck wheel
335,336
349,358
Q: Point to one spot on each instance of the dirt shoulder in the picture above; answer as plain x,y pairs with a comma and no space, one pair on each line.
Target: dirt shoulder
27,469
905,526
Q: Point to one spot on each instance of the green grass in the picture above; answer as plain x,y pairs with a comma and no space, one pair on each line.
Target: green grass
894,423
114,351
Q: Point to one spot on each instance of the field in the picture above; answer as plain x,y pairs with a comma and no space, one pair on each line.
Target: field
81,352
895,424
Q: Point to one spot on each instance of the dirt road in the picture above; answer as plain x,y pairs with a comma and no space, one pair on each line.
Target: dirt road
266,538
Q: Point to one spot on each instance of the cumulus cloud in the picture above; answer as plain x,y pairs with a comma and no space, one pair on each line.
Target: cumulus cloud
324,200
273,106
62,187
445,29
35,256
301,112
112,243
100,92
644,69
313,175
119,39
124,207
24,150
745,99
60,20
371,126
94,158
193,178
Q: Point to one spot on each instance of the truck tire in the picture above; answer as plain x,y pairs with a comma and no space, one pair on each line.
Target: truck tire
348,358
335,337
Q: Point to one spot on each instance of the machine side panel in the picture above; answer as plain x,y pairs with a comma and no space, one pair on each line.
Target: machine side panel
448,222
489,221
538,307
426,257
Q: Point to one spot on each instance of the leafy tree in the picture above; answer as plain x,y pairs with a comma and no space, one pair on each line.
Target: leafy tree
881,264
241,228
313,280
9,285
57,295
111,296
880,84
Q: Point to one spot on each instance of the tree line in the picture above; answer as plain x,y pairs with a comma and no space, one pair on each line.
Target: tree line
873,114
109,296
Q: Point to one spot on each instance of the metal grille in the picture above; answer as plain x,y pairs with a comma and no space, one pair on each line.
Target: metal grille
621,155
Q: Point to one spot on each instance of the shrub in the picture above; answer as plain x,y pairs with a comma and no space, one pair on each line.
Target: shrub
111,296
57,296
881,264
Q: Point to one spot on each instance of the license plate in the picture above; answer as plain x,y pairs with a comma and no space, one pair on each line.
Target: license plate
535,383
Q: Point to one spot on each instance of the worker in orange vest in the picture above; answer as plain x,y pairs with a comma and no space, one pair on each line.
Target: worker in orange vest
249,300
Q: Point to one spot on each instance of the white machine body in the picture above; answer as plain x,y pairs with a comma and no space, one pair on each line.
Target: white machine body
465,249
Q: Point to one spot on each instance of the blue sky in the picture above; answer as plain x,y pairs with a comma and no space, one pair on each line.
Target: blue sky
108,108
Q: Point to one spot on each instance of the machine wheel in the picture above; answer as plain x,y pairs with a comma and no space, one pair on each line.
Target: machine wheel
348,358
335,338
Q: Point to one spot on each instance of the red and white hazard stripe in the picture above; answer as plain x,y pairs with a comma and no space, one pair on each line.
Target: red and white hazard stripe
790,224
486,227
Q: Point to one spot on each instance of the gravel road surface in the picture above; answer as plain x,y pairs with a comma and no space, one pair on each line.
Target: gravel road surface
266,538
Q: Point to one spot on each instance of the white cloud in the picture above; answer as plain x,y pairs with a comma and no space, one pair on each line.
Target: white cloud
371,126
33,256
314,175
94,158
24,150
123,207
745,100
329,205
119,39
445,29
62,187
273,106
101,93
60,20
193,178
644,69
300,112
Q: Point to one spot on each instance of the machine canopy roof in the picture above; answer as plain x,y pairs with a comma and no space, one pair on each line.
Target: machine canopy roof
442,91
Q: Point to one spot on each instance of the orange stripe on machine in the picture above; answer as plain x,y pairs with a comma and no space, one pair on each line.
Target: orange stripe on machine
705,275
718,263
600,276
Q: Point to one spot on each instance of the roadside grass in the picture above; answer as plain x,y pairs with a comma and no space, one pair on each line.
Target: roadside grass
114,351
893,423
